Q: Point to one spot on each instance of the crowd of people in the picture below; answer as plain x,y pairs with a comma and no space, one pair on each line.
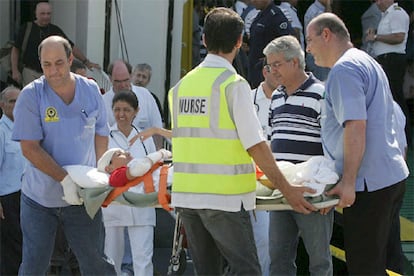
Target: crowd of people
284,89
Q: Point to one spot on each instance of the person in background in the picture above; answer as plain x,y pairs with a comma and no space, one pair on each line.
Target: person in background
139,222
11,170
141,76
294,116
260,219
269,23
369,20
41,28
212,191
316,8
395,255
357,134
119,72
389,43
59,119
79,68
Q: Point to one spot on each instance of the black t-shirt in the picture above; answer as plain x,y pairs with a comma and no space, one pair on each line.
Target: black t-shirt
37,34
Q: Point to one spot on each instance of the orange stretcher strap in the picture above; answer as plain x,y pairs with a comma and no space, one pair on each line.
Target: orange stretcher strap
148,185
164,198
259,173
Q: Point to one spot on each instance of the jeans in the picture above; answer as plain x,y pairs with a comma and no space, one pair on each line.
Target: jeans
260,223
285,227
84,235
221,243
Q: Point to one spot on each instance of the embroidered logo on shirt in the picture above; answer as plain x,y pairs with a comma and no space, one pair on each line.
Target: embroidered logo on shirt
283,25
51,115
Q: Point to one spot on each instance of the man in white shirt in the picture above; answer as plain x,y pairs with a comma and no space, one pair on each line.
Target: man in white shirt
389,42
120,75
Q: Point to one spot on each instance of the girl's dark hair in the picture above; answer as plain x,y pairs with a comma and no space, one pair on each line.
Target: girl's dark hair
126,96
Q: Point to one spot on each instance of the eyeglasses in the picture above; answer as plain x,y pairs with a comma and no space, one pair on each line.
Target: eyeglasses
275,65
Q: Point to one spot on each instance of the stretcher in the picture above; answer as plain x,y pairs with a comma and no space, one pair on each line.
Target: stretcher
96,196
95,190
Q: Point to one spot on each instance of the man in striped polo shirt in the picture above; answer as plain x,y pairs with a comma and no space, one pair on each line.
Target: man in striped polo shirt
295,136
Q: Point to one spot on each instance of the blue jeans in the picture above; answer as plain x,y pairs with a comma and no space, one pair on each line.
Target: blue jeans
285,227
221,243
260,224
85,237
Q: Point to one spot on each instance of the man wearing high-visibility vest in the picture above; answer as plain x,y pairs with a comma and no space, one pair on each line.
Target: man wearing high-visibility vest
216,133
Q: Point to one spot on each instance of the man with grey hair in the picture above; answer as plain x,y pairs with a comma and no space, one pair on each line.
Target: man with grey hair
141,76
357,134
295,110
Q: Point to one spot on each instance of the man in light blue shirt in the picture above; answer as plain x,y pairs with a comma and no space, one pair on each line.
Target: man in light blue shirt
357,133
11,170
60,120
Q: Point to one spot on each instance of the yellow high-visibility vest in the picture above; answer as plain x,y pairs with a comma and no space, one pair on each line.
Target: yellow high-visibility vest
207,152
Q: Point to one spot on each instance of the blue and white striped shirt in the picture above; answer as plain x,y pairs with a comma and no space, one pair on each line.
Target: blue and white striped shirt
295,122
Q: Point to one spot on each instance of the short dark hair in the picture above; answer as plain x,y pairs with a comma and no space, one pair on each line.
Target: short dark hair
222,29
76,65
126,96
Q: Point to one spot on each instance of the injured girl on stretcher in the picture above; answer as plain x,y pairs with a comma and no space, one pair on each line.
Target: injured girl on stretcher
121,179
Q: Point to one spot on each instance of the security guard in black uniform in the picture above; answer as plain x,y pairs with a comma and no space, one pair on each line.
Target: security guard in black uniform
268,24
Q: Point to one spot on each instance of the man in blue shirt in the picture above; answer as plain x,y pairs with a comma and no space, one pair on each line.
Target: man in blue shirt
11,170
60,120
357,133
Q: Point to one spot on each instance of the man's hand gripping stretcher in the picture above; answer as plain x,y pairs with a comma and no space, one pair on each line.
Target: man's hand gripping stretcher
317,173
120,178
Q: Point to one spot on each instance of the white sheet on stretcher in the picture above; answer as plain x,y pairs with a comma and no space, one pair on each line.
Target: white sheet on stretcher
317,173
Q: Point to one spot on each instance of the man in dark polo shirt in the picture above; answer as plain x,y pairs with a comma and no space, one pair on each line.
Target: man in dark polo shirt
269,24
39,29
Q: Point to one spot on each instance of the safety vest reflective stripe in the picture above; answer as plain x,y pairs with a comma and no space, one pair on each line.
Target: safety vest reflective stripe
213,168
205,132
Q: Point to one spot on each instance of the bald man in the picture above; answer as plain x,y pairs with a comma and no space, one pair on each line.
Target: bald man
148,116
60,120
39,29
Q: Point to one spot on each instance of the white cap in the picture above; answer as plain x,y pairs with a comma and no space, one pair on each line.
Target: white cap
105,160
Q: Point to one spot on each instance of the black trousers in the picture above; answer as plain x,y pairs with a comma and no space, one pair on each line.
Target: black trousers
394,65
367,228
10,235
